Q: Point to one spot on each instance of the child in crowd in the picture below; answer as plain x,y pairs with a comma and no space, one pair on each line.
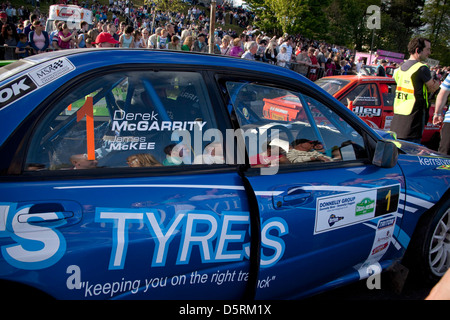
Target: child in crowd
163,42
138,39
282,57
22,46
175,43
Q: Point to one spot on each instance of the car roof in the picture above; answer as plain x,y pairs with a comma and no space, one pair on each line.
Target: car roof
103,57
358,78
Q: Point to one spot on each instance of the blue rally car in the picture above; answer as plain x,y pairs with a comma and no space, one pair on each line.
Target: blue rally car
139,174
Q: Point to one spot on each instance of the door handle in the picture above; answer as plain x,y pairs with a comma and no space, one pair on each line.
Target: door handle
296,197
45,216
293,196
59,212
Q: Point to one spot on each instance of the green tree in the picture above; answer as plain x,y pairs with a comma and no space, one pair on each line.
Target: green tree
165,6
356,15
348,23
436,17
168,5
344,22
291,16
265,17
402,20
339,33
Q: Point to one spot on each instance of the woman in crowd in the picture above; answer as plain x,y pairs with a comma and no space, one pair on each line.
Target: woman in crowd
38,38
236,50
65,37
330,67
138,41
9,39
225,47
184,34
271,52
314,64
145,36
126,40
187,44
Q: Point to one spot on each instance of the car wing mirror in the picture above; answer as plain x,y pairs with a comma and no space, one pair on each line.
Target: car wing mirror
386,154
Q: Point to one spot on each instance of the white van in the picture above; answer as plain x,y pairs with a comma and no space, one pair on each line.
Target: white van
70,14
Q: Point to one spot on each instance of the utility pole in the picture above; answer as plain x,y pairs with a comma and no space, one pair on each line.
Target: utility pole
212,23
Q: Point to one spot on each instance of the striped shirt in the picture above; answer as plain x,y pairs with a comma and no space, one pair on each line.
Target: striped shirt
446,86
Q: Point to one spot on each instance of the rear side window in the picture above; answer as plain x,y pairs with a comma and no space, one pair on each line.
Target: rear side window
127,119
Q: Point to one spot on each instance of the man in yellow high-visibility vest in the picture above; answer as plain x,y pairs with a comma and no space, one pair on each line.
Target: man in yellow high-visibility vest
414,82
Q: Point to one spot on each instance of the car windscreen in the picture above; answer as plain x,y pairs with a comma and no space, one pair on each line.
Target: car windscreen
332,85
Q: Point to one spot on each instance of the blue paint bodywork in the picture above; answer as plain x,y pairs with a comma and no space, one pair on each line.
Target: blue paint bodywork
188,235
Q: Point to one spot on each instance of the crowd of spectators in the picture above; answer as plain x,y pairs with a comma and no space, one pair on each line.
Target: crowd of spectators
122,24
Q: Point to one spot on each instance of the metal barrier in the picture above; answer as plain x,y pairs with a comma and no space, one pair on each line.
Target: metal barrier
314,73
9,52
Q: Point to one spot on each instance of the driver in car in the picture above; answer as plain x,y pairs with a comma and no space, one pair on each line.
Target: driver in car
303,151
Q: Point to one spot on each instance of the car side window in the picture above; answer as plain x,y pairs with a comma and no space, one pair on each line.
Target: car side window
124,119
363,95
295,127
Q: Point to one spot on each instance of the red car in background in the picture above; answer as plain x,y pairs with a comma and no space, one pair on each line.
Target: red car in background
372,99
390,71
285,108
289,108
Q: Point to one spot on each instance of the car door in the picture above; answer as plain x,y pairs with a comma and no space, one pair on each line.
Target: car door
326,213
108,196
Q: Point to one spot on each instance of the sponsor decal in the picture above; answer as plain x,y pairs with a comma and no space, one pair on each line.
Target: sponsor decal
218,238
16,90
36,246
216,229
334,212
51,71
429,161
383,236
124,122
38,77
367,205
367,112
333,219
